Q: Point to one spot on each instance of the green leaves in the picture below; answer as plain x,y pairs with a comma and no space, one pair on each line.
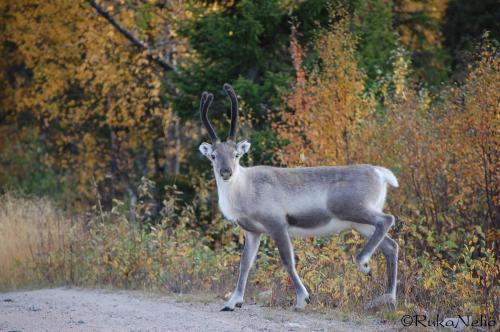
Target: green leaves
143,16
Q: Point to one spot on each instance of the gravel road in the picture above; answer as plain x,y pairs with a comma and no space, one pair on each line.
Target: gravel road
73,309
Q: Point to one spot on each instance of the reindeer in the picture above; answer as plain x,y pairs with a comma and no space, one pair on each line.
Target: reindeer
303,201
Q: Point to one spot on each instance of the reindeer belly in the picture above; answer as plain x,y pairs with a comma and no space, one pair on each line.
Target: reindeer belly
335,226
315,222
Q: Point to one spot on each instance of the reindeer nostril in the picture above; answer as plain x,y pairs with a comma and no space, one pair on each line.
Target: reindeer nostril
225,172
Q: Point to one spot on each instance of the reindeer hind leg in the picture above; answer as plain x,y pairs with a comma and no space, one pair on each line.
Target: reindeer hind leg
389,248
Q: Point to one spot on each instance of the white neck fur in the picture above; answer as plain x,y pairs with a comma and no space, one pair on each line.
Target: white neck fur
226,190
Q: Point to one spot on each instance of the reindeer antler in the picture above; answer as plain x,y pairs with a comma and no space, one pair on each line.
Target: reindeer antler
234,111
205,102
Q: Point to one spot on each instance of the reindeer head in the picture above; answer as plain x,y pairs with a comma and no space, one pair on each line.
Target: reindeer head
224,156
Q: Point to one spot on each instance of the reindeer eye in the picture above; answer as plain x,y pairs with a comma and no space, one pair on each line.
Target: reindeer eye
212,156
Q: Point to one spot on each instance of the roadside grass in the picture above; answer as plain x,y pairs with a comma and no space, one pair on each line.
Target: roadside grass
41,246
34,238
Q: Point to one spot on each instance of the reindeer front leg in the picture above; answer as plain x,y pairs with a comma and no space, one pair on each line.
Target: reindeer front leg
282,239
252,242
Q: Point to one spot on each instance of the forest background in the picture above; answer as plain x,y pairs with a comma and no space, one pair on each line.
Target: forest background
102,182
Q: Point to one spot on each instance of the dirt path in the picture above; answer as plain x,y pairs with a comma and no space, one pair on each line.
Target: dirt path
71,309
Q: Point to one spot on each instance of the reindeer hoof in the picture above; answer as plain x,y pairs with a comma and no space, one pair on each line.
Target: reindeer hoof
387,299
363,266
302,301
225,308
238,305
391,306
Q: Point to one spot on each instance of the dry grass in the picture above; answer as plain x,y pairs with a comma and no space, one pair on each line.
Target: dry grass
40,245
33,233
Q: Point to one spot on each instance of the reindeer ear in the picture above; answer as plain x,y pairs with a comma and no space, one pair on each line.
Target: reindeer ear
206,149
243,147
